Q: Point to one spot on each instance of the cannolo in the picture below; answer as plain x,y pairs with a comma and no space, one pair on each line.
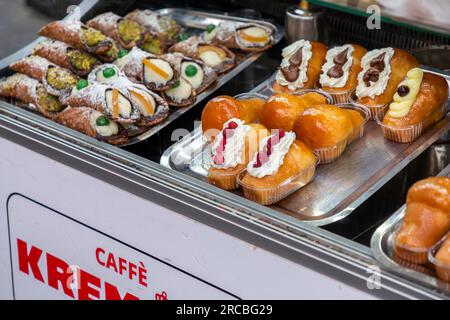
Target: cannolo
125,102
82,37
112,102
161,31
156,73
30,92
126,32
92,123
217,57
244,36
61,54
57,81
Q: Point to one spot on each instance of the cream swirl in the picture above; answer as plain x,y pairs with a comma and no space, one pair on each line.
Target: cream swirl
230,152
406,94
275,159
325,79
374,88
287,53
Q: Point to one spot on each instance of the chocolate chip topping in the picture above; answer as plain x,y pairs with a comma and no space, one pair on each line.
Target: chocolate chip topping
339,60
291,72
378,62
335,71
403,90
371,75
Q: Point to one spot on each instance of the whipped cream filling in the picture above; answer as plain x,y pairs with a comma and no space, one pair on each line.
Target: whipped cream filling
275,159
234,146
325,79
253,32
374,88
287,53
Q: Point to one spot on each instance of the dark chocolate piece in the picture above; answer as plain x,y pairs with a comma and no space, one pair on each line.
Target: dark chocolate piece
371,75
403,90
291,72
341,58
378,62
335,71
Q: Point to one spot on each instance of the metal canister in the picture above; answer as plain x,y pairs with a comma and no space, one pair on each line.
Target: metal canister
301,22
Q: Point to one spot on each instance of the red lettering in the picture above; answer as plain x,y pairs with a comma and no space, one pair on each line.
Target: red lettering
132,270
58,272
85,291
97,255
112,293
122,265
31,259
111,262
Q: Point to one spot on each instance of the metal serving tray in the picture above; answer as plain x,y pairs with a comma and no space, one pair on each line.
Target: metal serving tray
338,188
382,248
193,22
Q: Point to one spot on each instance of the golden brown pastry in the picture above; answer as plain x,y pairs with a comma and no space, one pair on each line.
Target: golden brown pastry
223,108
340,72
232,150
301,66
327,129
419,102
442,261
426,221
282,109
382,71
282,166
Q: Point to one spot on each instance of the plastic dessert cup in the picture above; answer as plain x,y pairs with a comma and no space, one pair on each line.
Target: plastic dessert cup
338,96
442,269
224,179
273,194
374,109
330,154
364,113
406,134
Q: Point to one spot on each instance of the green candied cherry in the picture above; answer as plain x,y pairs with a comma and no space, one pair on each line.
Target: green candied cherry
109,72
102,121
190,70
210,28
182,37
82,83
122,53
176,84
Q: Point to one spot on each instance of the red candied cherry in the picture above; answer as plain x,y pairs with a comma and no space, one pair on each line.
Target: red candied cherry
257,163
281,133
268,151
232,125
219,159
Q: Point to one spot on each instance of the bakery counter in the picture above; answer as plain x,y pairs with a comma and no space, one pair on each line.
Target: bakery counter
87,202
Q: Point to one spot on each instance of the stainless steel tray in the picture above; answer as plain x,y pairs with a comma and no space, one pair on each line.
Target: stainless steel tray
194,21
382,248
338,188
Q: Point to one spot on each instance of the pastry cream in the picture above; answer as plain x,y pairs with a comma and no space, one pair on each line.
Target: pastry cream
231,148
287,53
276,157
325,79
377,87
253,36
181,92
157,71
195,79
144,101
117,104
105,131
406,94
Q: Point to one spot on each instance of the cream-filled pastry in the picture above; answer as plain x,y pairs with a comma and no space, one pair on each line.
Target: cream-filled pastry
300,67
181,94
335,71
193,73
157,71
